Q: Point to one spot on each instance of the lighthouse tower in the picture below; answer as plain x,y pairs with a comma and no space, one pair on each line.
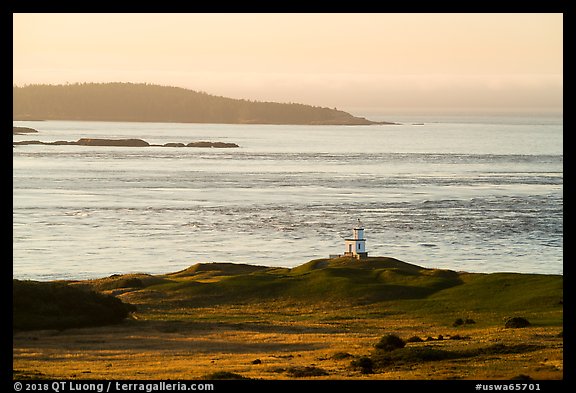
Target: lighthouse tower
356,247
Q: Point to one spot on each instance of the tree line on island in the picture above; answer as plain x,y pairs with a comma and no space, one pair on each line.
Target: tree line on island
144,102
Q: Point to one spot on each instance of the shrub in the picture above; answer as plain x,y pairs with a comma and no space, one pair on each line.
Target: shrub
365,364
417,354
307,371
224,375
57,305
458,322
516,322
390,342
341,355
522,377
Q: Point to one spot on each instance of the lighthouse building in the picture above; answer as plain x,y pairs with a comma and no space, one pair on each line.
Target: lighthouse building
356,247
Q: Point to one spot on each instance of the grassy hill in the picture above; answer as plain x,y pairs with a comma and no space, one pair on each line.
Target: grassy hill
365,281
403,287
152,103
319,320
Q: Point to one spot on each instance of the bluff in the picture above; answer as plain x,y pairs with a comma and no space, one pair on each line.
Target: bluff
152,103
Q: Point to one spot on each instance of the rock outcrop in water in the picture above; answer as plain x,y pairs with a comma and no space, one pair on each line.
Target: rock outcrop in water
112,142
22,130
127,143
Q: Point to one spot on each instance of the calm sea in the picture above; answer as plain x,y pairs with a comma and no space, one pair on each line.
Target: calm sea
478,194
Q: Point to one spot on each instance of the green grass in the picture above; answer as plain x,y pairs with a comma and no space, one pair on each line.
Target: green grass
222,269
384,285
494,296
507,291
370,280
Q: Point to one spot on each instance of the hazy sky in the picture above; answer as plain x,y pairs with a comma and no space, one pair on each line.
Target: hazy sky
353,61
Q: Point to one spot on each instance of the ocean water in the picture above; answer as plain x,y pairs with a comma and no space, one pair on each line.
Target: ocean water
478,194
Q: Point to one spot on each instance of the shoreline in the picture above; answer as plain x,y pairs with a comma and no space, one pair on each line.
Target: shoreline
98,276
102,275
364,122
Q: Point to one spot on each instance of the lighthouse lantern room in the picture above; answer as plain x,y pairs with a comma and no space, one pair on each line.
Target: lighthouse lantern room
356,247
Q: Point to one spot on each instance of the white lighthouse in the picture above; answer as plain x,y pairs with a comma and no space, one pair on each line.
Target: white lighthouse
356,247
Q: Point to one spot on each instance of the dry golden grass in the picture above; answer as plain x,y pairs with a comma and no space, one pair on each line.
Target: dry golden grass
263,341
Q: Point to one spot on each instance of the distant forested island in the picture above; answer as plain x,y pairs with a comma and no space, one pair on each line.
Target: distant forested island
144,102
